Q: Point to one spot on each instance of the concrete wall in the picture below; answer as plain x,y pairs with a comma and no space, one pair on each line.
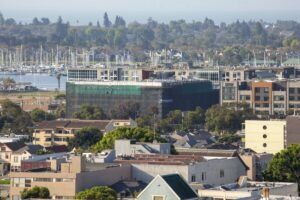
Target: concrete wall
268,133
103,177
232,168
292,130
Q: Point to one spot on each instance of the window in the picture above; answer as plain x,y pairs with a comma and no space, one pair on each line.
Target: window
292,90
203,176
158,198
27,182
3,149
278,98
16,159
42,179
291,98
264,127
264,136
193,178
265,145
222,173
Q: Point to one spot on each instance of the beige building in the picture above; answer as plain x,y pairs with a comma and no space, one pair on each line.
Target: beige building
58,132
265,136
271,136
64,179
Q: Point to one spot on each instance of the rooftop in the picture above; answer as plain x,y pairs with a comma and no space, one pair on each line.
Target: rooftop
179,186
162,159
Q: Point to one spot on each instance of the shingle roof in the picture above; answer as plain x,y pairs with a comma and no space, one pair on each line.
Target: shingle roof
179,186
14,146
57,148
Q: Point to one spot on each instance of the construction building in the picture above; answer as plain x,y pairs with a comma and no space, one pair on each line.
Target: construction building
165,95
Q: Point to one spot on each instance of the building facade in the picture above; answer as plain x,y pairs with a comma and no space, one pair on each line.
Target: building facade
64,179
58,132
264,97
165,95
272,136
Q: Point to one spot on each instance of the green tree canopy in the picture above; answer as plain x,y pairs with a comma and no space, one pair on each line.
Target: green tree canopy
226,118
97,192
125,110
90,112
36,192
136,133
38,115
85,138
285,166
13,118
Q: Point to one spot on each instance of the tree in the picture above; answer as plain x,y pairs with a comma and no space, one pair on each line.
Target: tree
13,118
285,166
61,111
125,110
45,21
90,112
8,83
97,192
2,20
106,21
136,133
85,138
221,119
38,115
36,192
35,21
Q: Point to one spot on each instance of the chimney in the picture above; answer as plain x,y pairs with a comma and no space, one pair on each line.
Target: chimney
266,193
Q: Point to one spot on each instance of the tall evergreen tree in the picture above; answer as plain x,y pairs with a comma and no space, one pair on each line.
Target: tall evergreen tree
106,21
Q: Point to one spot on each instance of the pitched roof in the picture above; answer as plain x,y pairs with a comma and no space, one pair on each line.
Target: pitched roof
33,148
73,123
57,148
179,186
128,188
14,146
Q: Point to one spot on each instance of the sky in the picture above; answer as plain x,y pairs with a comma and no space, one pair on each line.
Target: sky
84,11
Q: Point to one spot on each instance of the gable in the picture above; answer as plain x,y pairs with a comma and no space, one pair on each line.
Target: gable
158,187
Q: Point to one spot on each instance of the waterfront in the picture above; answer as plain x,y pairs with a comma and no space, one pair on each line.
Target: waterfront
41,81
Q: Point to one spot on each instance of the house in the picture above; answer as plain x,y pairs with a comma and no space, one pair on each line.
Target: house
168,187
24,153
193,168
128,188
64,176
6,151
189,140
58,132
127,148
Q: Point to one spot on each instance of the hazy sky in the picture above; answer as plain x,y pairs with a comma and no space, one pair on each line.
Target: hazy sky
161,10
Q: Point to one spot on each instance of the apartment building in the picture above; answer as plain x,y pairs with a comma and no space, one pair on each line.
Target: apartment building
264,97
272,136
58,132
114,73
65,177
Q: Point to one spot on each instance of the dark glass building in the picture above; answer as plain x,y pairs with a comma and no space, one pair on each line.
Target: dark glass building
166,95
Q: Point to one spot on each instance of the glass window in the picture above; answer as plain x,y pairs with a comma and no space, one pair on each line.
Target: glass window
222,173
193,178
158,198
292,90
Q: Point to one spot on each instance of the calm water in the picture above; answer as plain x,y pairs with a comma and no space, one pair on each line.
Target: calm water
41,81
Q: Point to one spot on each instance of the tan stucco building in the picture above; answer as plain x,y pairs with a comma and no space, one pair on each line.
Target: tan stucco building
58,132
64,179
